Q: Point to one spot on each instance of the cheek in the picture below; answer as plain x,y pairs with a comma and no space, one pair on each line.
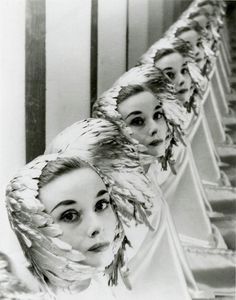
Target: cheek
163,128
175,81
69,234
201,50
139,135
196,49
188,81
110,222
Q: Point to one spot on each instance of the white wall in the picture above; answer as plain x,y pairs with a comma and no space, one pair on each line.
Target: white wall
138,29
155,20
111,42
168,16
67,68
12,110
67,63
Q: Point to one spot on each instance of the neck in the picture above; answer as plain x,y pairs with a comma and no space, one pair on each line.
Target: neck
82,285
146,168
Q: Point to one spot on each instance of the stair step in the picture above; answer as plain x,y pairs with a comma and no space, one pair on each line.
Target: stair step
231,97
233,79
227,151
229,121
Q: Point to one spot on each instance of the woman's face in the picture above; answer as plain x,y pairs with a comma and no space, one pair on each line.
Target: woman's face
79,202
143,114
194,39
174,66
204,22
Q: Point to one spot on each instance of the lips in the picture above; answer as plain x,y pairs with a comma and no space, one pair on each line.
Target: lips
155,143
183,91
99,247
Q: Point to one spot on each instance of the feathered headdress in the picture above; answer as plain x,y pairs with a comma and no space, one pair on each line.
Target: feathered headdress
196,74
149,56
185,49
54,261
51,259
149,79
11,287
101,143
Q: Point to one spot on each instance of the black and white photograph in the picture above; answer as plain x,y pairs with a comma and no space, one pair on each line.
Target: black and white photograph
118,149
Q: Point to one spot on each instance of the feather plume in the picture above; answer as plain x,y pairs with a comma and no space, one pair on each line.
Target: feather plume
102,146
11,287
37,233
154,82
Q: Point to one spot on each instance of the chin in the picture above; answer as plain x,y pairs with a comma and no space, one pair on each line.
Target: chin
100,260
157,152
183,98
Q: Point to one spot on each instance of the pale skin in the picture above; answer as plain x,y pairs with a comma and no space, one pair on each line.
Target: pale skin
174,65
143,114
209,8
79,202
194,39
204,22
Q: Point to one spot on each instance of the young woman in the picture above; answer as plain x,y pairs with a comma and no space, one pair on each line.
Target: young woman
152,121
190,31
68,211
163,272
174,58
215,103
209,18
156,123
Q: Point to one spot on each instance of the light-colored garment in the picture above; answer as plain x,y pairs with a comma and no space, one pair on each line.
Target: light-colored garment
97,290
158,268
212,264
187,200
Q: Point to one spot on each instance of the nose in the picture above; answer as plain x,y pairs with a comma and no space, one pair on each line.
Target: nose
95,228
197,53
93,233
152,128
180,80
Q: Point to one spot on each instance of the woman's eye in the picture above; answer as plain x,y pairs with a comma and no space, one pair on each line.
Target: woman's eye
70,216
158,115
171,75
199,44
101,205
184,71
137,121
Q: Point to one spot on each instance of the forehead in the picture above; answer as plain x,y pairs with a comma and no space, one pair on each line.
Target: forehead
190,36
142,102
78,184
202,20
209,8
173,60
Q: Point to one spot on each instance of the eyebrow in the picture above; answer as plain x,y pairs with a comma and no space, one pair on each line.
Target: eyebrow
157,107
133,113
102,192
169,68
63,203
